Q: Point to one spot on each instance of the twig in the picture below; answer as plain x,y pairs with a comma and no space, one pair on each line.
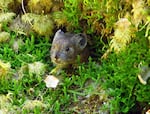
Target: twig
22,5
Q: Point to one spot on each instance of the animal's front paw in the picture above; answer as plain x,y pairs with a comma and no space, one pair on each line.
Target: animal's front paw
55,71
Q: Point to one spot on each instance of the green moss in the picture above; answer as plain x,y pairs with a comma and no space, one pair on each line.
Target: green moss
109,85
121,71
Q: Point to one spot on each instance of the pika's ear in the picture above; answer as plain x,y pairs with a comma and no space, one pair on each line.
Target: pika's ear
59,34
80,40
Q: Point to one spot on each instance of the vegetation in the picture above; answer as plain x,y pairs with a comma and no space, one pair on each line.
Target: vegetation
119,39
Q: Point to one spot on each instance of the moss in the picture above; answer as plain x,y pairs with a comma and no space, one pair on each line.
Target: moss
110,85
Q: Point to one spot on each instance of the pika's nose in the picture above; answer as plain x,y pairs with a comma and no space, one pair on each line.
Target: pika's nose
56,56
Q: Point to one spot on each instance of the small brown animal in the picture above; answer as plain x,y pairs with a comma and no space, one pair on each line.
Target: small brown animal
66,48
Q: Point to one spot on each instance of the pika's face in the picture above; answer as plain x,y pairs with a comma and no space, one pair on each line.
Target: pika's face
66,47
62,52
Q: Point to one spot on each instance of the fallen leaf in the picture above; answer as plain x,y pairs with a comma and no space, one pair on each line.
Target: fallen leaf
148,112
144,74
51,81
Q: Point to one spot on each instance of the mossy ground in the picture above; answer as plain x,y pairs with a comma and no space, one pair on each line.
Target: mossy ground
101,85
117,76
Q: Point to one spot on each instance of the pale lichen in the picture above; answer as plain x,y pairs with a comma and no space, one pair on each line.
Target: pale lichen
4,69
4,36
42,24
31,104
37,68
122,36
6,17
139,12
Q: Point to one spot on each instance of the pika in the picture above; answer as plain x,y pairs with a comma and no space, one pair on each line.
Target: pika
66,48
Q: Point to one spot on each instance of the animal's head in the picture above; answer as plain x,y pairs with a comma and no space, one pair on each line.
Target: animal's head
66,47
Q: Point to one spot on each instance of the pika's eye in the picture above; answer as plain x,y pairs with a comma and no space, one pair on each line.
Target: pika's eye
67,49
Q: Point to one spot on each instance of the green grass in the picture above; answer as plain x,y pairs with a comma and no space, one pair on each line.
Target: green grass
101,85
117,76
